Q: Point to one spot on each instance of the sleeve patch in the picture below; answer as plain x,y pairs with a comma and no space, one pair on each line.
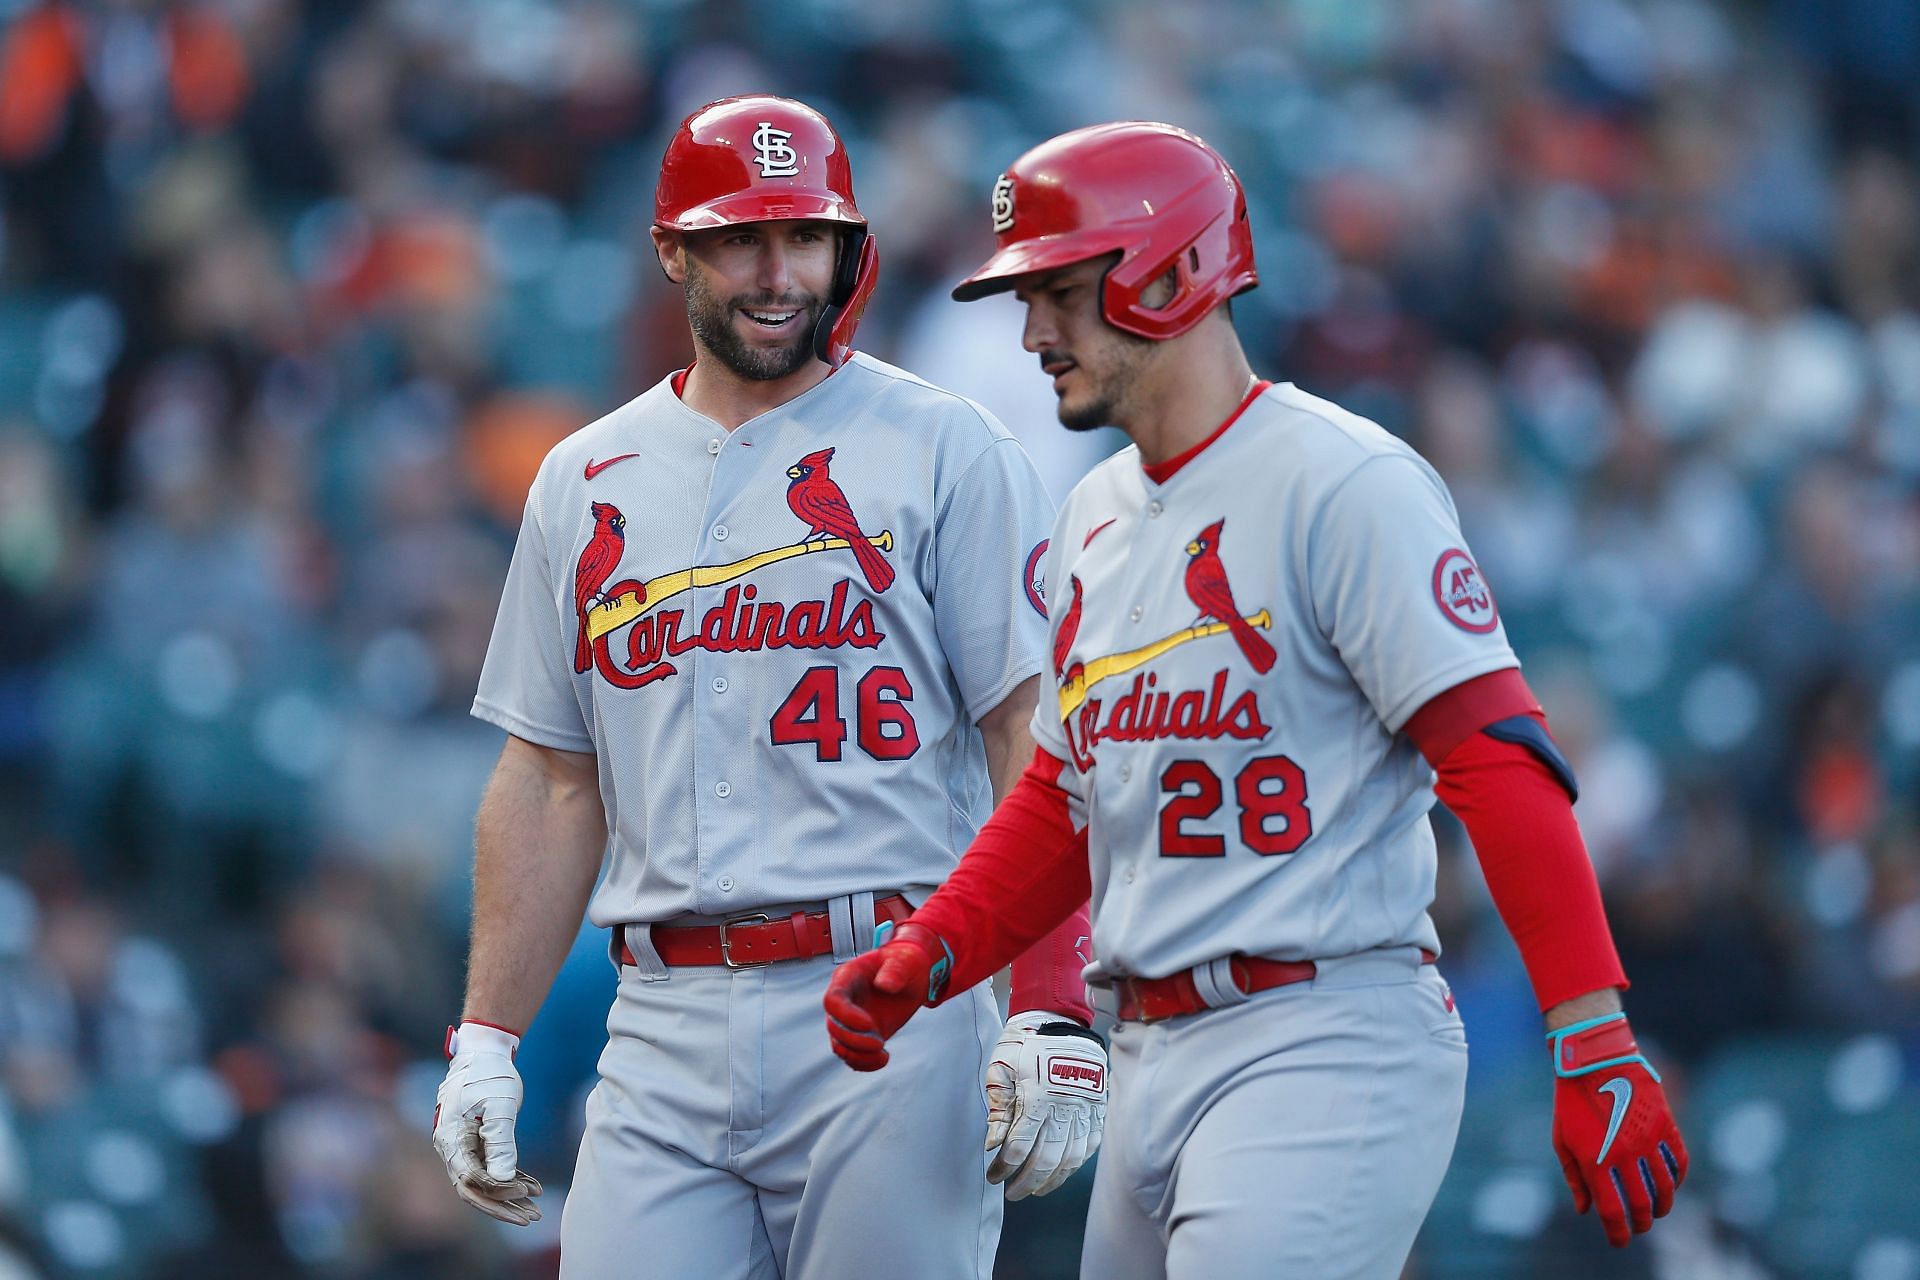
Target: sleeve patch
1462,594
1036,577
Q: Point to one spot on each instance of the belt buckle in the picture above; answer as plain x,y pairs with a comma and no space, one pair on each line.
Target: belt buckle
726,946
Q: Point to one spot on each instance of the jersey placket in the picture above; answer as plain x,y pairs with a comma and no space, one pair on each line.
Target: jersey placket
715,887
1113,789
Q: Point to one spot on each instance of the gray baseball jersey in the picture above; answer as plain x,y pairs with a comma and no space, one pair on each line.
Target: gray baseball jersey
1235,651
776,640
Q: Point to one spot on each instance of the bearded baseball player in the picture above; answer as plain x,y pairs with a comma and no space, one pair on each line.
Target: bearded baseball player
768,648
1273,647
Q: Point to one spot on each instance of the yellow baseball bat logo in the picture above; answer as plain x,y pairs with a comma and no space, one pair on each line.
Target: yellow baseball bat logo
1074,692
611,615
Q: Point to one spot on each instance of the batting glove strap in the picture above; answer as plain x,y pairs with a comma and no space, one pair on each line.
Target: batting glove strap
1596,1044
480,1037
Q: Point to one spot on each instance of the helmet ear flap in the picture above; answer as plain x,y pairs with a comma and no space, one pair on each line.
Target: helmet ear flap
1131,279
856,271
1124,286
1205,272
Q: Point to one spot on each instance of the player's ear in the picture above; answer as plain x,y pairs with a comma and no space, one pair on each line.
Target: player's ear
1161,291
671,248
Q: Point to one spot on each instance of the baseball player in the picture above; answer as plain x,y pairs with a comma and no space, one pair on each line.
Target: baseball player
1268,638
770,640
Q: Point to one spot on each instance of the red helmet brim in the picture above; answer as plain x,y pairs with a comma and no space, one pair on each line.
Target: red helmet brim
765,206
1043,253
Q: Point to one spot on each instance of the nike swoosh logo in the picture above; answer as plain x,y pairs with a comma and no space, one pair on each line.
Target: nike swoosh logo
595,468
1095,532
1622,1090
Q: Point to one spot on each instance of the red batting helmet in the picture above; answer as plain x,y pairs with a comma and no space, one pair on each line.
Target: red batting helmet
1157,195
765,159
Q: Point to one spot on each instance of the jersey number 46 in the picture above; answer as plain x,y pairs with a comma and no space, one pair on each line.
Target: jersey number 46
811,714
1272,795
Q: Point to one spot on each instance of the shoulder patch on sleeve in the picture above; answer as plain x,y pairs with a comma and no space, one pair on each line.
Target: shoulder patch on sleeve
1462,593
1037,577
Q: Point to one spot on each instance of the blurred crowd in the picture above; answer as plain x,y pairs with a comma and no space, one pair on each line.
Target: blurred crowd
294,296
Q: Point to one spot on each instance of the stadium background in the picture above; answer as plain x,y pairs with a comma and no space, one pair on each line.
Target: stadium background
293,296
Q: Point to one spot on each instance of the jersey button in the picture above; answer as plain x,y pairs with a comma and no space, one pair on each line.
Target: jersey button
719,533
1137,613
713,446
1126,773
1155,508
723,788
719,684
725,883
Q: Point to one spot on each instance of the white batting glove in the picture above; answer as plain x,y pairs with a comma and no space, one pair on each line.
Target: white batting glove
473,1125
1046,1102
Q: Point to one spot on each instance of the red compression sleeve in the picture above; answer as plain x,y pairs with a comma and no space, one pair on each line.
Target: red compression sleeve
1521,823
1024,873
1047,974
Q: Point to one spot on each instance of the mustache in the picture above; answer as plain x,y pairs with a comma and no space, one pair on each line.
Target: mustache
1050,356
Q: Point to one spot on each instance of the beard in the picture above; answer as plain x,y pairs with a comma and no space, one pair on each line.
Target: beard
1127,354
1091,416
712,322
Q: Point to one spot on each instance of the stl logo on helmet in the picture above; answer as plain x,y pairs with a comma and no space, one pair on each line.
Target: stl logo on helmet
1003,204
1462,593
773,153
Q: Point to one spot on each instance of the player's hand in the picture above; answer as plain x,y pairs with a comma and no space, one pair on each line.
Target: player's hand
872,995
1612,1128
1046,1102
473,1125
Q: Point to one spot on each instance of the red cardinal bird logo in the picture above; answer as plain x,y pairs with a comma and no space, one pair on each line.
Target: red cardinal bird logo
816,499
1069,628
1207,588
598,559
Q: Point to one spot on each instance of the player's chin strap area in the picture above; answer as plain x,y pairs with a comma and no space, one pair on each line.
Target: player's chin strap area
855,274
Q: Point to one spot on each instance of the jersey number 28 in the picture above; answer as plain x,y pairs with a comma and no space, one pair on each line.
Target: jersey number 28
1272,793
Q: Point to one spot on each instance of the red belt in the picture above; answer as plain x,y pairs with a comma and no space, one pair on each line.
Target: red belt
758,939
1152,999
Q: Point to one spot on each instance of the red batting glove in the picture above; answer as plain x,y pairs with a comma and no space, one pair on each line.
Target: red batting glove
1612,1127
873,994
